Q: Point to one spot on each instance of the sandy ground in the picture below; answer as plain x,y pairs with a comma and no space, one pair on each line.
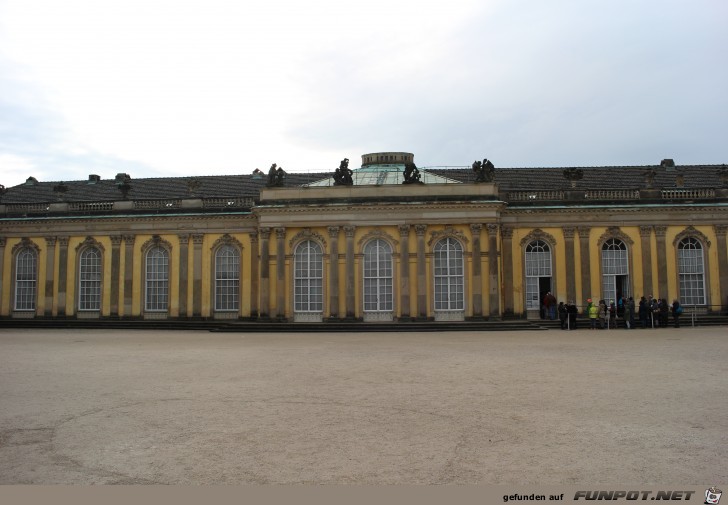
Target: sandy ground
540,407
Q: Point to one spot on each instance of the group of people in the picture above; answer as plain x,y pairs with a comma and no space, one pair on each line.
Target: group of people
650,312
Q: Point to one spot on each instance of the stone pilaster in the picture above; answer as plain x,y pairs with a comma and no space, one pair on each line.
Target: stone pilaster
62,274
50,263
197,240
349,284
721,230
404,280
493,285
265,272
570,263
3,241
507,255
420,230
184,254
128,273
280,273
585,262
334,271
254,266
646,242
475,230
660,232
115,273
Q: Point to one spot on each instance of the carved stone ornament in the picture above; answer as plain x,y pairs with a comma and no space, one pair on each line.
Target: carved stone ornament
90,242
375,234
615,232
307,234
573,174
156,241
449,231
25,242
227,239
690,231
538,234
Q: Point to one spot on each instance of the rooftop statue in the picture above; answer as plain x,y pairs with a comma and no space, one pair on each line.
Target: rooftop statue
276,176
484,171
573,175
343,175
650,178
411,174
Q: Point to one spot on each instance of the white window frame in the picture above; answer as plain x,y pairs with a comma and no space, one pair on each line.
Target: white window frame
449,277
156,280
378,285
691,272
90,274
538,263
26,280
308,276
615,261
227,279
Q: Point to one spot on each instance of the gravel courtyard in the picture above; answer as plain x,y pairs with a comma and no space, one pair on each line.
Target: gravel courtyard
539,407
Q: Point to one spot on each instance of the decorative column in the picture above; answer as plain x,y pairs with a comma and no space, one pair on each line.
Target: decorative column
660,232
334,272
197,239
570,263
477,275
62,274
128,273
265,272
115,273
404,280
281,273
2,263
349,284
507,255
50,263
585,262
720,231
254,283
645,236
421,272
493,285
184,247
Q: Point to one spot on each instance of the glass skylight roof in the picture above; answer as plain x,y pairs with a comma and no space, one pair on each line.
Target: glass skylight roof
380,175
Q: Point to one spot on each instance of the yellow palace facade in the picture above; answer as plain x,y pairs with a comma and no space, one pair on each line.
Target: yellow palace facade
384,242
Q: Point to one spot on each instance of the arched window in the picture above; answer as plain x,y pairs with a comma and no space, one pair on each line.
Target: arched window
378,295
157,280
26,279
691,271
89,280
615,269
308,277
227,278
449,275
538,273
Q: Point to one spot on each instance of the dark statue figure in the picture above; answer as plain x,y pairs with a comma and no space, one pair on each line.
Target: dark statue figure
573,175
343,175
484,171
411,174
276,176
650,178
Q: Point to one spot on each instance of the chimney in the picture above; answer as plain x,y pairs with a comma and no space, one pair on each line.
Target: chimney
93,179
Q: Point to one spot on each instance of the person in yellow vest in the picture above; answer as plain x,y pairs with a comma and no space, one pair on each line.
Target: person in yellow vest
592,311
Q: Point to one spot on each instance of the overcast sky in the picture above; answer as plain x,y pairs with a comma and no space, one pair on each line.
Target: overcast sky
186,87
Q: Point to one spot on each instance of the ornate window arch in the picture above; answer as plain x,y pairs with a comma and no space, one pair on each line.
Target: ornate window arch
378,276
226,278
90,273
692,272
156,257
616,264
25,275
449,275
308,277
538,266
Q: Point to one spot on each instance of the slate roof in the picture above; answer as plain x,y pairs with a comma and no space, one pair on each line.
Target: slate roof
249,186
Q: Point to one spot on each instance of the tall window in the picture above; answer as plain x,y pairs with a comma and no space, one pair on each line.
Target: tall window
227,278
89,280
538,272
615,269
26,279
157,280
308,277
691,271
378,276
449,277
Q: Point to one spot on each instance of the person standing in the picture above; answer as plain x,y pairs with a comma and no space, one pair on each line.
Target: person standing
572,311
563,314
628,314
676,311
550,303
593,312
